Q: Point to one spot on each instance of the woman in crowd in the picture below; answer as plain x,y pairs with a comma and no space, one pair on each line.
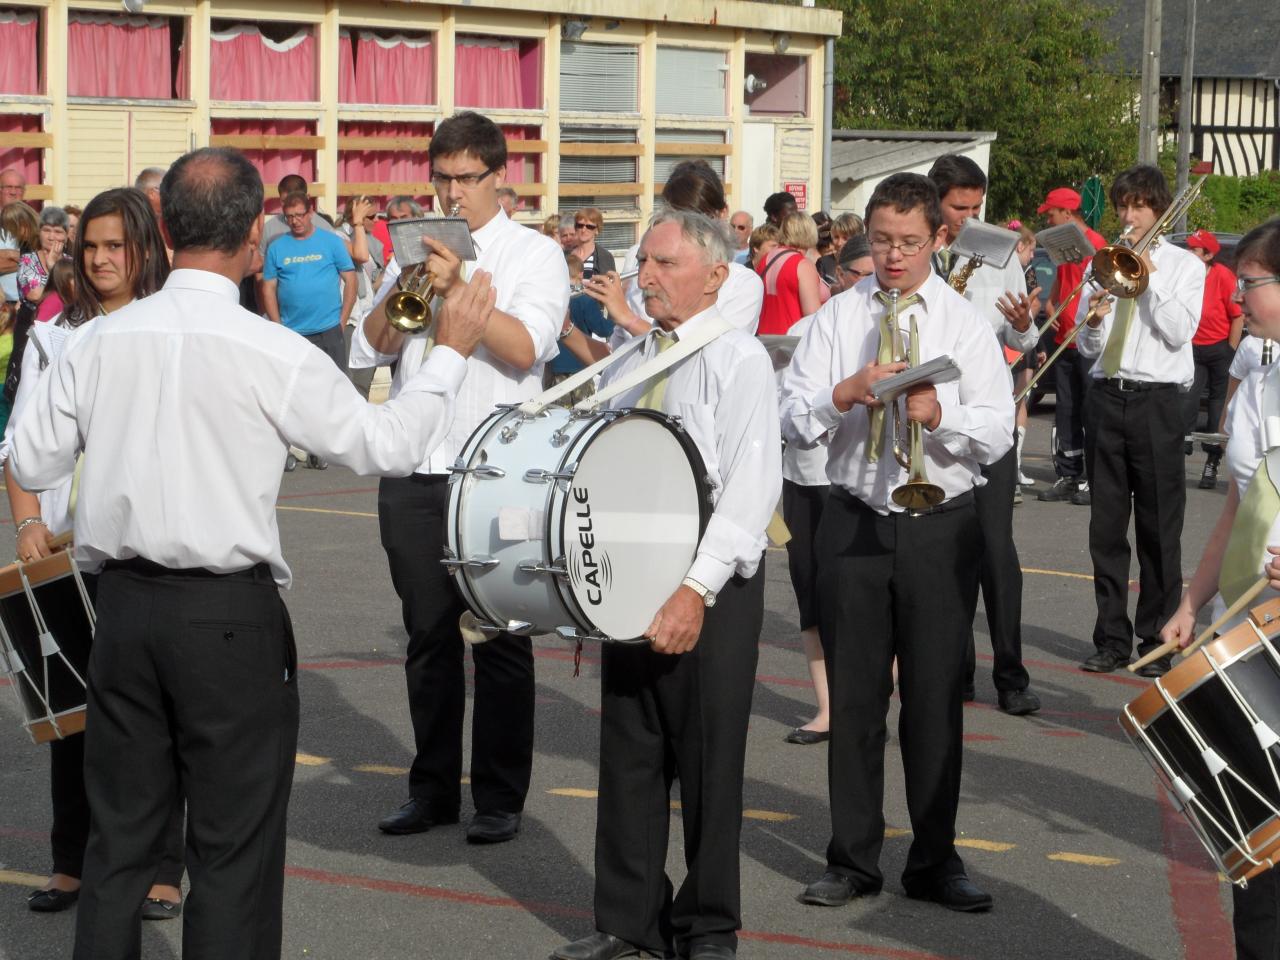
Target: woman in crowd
119,257
370,257
587,224
73,222
34,266
764,240
792,287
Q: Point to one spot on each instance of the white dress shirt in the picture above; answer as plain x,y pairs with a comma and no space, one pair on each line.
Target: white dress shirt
740,299
977,409
1249,356
987,285
532,283
1157,348
185,405
725,399
803,463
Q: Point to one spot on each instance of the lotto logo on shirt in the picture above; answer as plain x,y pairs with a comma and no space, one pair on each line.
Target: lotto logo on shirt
309,258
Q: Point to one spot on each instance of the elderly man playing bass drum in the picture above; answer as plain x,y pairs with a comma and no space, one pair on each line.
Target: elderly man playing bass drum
680,705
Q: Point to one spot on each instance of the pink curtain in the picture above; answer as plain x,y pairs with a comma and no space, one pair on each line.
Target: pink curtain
521,167
25,159
487,74
110,56
274,164
346,68
19,60
398,70
383,166
245,65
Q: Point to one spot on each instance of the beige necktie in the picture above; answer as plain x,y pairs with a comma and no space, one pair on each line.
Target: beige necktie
656,391
1250,535
1113,352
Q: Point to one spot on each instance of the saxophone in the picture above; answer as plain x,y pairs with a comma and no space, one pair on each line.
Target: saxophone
959,281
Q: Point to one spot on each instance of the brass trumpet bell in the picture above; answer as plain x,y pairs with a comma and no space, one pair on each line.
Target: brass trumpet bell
1120,271
409,309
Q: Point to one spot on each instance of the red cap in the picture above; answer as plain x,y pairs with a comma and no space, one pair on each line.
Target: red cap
1062,197
1205,240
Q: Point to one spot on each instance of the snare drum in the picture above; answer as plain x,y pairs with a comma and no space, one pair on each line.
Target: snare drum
581,524
1211,729
46,627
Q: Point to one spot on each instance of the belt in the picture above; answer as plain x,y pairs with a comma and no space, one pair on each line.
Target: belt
1137,386
955,503
142,567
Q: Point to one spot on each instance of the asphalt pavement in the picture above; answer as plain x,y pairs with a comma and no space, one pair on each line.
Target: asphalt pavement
1060,818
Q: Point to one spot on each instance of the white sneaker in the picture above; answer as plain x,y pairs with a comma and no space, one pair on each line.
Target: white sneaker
1026,481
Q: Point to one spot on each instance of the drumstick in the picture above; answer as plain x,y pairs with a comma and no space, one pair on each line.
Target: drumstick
1207,634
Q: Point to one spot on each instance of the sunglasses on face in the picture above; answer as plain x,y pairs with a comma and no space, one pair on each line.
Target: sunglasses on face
586,226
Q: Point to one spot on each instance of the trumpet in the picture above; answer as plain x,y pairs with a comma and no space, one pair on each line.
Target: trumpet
409,308
1119,269
577,288
917,493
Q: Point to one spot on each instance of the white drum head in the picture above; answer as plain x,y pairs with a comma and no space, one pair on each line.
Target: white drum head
631,524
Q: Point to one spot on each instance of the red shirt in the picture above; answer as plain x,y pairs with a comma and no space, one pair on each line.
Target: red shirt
781,306
1069,275
382,233
1219,309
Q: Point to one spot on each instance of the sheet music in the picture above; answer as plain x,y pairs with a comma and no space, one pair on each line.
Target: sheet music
406,238
1066,243
977,239
938,370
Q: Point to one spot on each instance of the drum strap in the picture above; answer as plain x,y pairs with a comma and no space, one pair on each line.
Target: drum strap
1251,531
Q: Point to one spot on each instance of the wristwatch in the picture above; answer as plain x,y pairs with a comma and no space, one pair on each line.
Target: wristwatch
708,596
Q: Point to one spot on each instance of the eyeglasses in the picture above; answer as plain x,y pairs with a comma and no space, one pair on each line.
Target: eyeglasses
1244,284
291,217
464,180
586,226
908,248
856,274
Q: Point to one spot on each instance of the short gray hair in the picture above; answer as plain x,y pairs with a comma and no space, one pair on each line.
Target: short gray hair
51,216
400,200
567,221
149,179
710,236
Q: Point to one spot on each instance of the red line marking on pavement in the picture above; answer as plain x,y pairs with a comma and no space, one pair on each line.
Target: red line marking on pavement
981,737
1197,906
5,682
24,834
559,910
1123,677
1062,733
783,681
349,664
326,493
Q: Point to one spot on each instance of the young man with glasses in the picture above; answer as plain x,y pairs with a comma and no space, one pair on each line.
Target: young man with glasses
893,583
468,156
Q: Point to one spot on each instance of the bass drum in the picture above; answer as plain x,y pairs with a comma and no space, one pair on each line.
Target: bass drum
581,525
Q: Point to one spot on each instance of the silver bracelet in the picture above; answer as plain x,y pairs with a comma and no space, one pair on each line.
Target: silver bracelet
23,524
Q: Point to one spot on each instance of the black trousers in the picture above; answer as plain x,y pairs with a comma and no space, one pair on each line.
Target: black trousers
896,586
680,716
802,511
192,686
1072,380
70,831
1255,918
1133,448
1001,576
411,516
361,377
333,344
1213,366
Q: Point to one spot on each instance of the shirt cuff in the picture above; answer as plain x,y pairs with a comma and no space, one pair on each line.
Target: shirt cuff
445,366
710,572
826,412
947,432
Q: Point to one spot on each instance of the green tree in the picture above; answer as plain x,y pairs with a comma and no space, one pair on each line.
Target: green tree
1030,70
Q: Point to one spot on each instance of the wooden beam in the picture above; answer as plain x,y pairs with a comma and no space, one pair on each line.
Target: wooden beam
527,146
601,189
12,141
693,149
659,187
388,188
602,149
248,141
383,143
39,191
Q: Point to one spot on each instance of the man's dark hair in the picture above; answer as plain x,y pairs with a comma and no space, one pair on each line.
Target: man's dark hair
906,192
1261,245
293,199
693,185
953,170
775,203
1142,184
291,183
210,200
469,132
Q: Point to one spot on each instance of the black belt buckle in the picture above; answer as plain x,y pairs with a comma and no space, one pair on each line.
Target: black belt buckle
1127,386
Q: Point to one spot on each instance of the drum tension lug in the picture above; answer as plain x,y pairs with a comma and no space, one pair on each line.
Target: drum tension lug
472,563
521,628
533,566
483,470
538,475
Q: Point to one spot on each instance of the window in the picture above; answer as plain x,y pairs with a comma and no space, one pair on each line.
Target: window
497,73
663,164
262,62
115,56
692,82
26,160
255,139
19,52
386,68
599,78
396,164
620,210
777,85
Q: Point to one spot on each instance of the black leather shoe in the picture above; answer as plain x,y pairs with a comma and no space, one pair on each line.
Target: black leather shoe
1104,661
1018,703
712,951
493,827
1061,490
833,890
1155,669
807,737
601,946
51,901
416,815
955,893
1209,478
153,908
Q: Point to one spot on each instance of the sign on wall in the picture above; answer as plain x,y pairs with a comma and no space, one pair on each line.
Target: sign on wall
800,191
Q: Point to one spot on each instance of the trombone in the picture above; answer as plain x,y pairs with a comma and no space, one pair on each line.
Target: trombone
917,493
1119,270
409,308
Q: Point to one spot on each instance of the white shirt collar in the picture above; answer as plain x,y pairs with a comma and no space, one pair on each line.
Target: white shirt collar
929,291
203,280
490,231
695,321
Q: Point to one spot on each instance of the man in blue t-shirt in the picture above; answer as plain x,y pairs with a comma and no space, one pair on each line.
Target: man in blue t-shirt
309,284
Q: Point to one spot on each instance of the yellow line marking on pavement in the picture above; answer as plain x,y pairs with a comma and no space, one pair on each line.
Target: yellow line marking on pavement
991,845
307,760
772,816
892,832
21,879
381,768
336,513
1058,573
575,792
1085,859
